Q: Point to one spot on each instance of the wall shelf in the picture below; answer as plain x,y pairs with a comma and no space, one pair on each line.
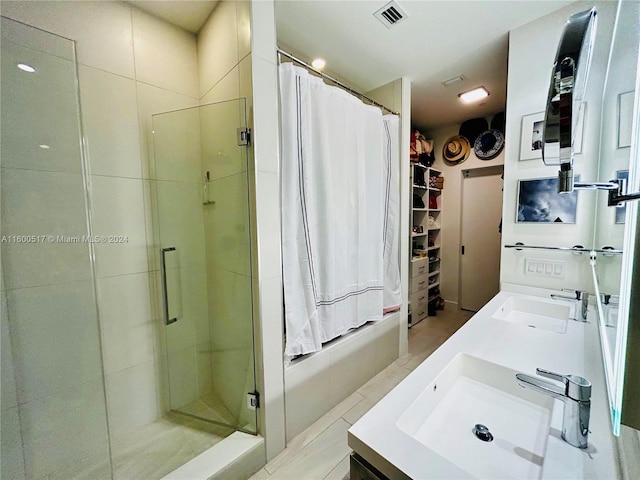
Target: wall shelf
431,197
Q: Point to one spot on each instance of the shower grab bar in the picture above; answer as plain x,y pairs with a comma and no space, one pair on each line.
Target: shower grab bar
521,246
165,295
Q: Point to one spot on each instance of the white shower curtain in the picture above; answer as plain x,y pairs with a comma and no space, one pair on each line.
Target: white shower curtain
335,179
392,287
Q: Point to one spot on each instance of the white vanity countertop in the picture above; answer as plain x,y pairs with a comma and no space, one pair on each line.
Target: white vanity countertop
378,440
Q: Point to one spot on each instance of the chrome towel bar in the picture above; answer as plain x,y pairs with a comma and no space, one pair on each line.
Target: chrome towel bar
606,251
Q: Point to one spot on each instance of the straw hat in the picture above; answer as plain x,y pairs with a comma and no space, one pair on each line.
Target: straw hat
456,150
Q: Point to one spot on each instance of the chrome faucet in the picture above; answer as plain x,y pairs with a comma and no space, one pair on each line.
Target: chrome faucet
576,396
581,298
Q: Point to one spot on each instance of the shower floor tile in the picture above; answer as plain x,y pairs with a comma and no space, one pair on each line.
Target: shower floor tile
210,407
155,450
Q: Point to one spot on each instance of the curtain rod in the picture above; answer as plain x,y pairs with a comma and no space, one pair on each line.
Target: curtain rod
324,75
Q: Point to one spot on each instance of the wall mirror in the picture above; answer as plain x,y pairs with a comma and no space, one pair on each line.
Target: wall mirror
614,227
565,100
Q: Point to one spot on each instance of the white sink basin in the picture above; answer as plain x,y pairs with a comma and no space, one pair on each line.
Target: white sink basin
472,391
551,315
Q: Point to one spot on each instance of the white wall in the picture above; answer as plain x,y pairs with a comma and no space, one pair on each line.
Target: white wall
452,208
532,50
268,294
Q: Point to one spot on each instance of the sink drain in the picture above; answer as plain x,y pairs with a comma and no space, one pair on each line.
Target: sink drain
482,432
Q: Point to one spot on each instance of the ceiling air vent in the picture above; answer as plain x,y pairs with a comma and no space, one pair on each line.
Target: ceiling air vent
390,15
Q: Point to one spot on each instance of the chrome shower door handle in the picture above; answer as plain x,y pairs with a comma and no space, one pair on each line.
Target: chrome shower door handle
165,294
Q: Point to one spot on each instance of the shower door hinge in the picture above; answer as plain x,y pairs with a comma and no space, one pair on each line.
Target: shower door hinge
253,400
244,137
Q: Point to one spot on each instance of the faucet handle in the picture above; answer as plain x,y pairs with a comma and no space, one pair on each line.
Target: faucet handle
580,294
576,387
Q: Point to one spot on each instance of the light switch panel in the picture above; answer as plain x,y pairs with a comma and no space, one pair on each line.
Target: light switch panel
545,268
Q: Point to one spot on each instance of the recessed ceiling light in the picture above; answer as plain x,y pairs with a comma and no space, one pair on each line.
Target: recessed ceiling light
474,95
26,68
44,147
318,63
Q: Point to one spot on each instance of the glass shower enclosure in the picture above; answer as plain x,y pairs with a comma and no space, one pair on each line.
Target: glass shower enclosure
200,195
58,396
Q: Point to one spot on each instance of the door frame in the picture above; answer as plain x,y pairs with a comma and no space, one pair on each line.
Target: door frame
466,173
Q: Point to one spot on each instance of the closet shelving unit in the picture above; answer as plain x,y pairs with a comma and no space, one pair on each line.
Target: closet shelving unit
425,244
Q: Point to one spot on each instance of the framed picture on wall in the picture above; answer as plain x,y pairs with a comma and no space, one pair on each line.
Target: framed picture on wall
540,202
531,136
621,208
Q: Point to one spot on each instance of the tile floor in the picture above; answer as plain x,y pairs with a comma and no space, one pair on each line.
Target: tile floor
321,451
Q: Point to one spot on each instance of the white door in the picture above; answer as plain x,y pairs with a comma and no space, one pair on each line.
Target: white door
480,237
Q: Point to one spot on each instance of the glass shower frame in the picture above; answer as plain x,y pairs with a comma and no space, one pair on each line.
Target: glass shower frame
202,246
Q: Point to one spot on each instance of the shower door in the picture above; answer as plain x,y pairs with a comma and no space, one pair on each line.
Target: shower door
203,249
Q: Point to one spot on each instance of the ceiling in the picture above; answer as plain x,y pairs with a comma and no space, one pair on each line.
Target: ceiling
190,14
438,40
